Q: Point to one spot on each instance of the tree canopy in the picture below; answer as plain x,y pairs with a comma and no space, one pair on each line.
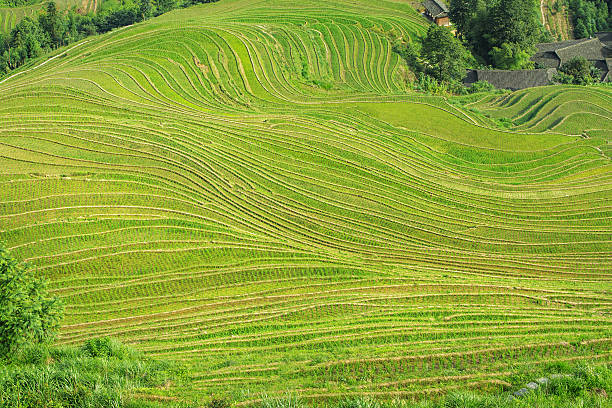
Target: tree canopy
590,16
502,33
513,22
462,13
444,56
511,56
28,314
578,71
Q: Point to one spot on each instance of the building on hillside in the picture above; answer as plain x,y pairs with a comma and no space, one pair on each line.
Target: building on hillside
437,11
549,57
606,38
553,55
511,79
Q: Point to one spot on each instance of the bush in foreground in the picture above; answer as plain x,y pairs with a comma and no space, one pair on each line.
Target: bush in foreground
102,373
28,313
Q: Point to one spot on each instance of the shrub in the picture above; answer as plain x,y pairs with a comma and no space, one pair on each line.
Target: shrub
28,314
106,347
481,86
218,403
577,71
563,78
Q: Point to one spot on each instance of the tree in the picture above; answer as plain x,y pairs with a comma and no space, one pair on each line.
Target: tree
163,6
410,53
27,312
27,40
500,30
51,23
513,22
461,13
444,55
590,16
580,30
3,43
578,71
511,56
145,9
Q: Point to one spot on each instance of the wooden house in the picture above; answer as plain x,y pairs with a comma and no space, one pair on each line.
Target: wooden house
437,11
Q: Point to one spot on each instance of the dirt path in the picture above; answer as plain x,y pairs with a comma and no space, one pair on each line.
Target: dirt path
544,22
558,22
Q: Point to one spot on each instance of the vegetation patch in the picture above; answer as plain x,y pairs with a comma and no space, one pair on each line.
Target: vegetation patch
101,373
17,3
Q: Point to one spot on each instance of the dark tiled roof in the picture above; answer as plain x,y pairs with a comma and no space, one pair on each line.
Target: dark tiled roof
555,54
554,46
591,49
436,8
604,67
513,80
547,59
607,77
605,37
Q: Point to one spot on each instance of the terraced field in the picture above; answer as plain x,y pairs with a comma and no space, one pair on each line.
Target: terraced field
251,189
10,16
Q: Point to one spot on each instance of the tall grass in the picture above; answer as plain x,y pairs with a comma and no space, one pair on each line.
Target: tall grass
100,374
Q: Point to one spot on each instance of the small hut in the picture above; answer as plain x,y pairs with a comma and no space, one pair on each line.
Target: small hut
437,11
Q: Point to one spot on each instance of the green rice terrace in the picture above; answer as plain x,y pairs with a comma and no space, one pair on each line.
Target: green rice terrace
251,188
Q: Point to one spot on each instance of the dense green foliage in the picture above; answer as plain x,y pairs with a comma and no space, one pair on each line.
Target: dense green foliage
100,374
511,56
17,3
438,61
512,22
444,55
578,71
28,314
32,38
501,33
590,16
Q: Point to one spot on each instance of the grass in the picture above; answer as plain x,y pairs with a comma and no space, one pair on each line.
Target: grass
100,373
190,188
574,386
105,373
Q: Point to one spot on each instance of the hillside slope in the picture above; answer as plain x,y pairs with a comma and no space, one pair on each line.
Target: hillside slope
11,16
250,188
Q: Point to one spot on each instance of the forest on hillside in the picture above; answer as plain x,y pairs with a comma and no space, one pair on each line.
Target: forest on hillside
590,16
